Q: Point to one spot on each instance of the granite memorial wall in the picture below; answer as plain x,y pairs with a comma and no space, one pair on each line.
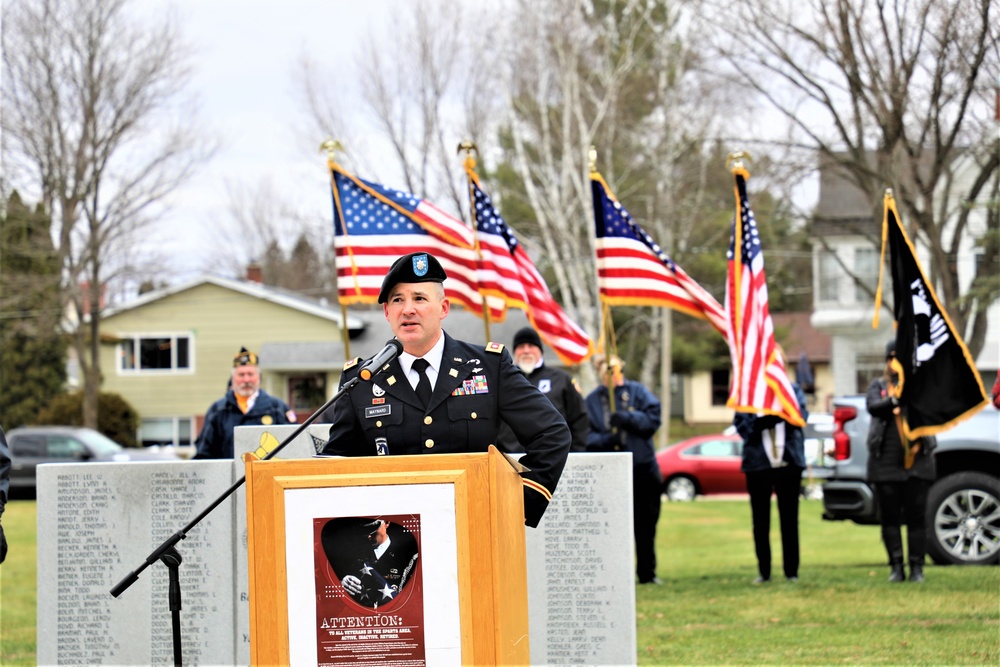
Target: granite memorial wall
97,522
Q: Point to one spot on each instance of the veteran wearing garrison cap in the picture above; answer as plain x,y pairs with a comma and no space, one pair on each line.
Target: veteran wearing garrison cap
245,404
443,396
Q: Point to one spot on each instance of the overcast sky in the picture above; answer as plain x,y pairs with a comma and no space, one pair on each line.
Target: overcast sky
246,54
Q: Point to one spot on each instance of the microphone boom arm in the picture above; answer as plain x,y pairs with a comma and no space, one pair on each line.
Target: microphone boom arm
157,553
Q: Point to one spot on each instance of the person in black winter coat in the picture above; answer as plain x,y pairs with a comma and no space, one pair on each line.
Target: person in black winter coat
561,388
627,425
900,491
5,465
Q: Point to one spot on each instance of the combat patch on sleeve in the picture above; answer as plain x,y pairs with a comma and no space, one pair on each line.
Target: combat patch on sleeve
495,348
352,363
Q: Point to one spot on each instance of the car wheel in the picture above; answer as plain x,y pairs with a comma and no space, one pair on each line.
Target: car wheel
963,518
680,489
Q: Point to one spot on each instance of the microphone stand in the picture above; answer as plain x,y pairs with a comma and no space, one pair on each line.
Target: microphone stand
167,551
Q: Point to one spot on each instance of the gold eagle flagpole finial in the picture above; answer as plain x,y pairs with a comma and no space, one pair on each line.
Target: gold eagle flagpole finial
469,147
330,145
735,159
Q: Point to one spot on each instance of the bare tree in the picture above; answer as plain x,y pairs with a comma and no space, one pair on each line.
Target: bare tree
622,76
92,123
425,95
895,94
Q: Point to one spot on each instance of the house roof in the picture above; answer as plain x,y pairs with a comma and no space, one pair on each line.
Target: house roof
460,324
253,289
797,335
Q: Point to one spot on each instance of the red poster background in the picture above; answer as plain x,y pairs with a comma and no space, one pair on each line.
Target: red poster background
382,626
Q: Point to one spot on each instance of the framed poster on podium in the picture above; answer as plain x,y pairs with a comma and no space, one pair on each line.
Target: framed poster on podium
404,560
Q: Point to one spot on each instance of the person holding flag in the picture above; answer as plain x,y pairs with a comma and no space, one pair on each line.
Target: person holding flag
773,461
901,471
770,409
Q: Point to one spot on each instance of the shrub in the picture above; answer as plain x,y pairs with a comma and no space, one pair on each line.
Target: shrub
116,418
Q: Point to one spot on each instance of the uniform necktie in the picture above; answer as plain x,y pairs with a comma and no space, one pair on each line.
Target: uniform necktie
424,383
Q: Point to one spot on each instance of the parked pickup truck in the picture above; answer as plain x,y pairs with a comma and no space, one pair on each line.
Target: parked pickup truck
963,505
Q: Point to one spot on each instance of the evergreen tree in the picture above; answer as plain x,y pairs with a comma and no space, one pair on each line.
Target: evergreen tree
32,349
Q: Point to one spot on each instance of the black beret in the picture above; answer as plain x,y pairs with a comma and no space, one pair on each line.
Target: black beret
890,349
417,267
527,335
245,358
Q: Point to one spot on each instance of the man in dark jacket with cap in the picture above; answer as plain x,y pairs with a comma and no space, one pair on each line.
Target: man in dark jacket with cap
558,386
445,396
245,404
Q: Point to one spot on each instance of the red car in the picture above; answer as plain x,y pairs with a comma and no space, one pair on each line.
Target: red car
702,465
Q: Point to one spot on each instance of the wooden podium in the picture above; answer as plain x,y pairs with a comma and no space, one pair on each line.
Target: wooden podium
470,595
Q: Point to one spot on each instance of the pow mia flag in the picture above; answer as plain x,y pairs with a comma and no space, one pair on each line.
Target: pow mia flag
939,385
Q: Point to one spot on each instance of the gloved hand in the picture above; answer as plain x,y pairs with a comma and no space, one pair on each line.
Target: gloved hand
352,584
619,419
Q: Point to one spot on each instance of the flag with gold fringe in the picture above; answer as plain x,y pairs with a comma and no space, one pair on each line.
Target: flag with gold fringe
633,270
374,225
506,271
938,382
760,383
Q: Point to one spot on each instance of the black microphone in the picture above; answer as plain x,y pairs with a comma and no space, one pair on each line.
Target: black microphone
393,348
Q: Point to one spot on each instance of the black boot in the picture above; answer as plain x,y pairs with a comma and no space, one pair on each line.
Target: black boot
916,542
894,546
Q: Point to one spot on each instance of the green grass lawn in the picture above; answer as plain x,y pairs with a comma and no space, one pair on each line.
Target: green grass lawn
842,610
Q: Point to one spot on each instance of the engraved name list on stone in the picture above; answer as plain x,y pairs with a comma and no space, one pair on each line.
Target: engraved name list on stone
176,497
578,607
84,563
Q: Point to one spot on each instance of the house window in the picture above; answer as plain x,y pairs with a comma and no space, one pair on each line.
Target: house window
155,354
720,386
829,275
866,269
166,431
867,368
307,392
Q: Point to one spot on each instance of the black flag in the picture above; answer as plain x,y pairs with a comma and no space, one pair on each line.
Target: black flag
939,385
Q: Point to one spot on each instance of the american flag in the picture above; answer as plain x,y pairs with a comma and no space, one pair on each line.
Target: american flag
375,225
759,382
507,272
633,270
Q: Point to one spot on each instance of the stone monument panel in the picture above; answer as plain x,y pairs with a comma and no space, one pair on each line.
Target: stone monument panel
581,585
99,521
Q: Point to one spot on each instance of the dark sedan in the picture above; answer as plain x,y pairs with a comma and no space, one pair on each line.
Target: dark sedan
31,446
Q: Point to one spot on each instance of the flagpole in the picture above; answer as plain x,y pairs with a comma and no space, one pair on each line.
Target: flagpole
470,166
331,145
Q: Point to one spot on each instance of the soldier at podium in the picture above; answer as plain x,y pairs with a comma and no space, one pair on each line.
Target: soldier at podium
442,395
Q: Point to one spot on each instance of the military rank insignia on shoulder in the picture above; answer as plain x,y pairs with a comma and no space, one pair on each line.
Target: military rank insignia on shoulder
495,348
351,363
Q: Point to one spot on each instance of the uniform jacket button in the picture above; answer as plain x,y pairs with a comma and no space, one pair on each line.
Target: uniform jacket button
428,443
428,419
473,415
378,424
